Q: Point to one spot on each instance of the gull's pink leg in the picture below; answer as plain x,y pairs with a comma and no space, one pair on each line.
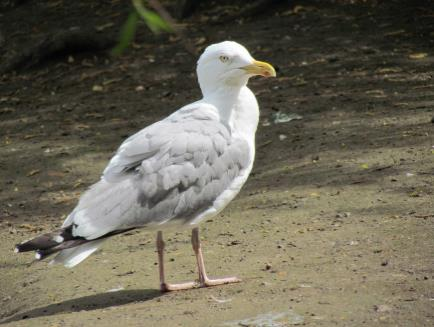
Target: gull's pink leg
203,278
166,287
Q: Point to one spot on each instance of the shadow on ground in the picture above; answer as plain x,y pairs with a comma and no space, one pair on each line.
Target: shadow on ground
88,303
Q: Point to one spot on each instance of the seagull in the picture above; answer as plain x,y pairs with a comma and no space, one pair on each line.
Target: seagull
176,172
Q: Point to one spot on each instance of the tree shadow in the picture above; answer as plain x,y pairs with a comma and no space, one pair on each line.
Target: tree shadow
88,303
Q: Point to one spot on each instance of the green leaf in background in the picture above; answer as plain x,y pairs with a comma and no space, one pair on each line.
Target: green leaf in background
152,19
127,34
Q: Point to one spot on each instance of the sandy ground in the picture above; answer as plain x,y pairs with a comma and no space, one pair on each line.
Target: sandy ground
335,226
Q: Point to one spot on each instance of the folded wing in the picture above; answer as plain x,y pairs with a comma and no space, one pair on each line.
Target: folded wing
174,169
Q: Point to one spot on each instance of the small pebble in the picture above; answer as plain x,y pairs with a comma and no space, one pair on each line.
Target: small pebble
97,88
382,308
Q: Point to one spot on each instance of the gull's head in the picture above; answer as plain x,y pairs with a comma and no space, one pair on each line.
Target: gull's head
228,64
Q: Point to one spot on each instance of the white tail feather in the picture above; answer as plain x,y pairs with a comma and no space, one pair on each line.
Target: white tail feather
72,257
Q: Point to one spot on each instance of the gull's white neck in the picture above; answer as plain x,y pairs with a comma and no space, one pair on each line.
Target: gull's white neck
237,108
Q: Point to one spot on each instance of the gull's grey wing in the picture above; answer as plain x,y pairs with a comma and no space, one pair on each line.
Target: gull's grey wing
173,169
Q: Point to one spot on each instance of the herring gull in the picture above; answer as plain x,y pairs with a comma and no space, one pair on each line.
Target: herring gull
177,171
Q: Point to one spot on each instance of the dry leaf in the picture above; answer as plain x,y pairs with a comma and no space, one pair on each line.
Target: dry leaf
393,33
110,81
30,136
375,92
81,126
101,28
387,70
33,172
200,41
297,9
419,55
94,115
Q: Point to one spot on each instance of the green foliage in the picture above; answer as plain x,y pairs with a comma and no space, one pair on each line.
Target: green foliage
152,19
128,31
154,22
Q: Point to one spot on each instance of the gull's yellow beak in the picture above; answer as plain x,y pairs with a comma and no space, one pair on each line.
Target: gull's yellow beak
260,68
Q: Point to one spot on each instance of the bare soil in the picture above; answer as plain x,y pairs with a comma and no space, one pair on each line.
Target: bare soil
335,226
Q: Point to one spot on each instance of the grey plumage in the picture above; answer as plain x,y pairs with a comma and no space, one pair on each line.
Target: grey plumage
182,169
172,170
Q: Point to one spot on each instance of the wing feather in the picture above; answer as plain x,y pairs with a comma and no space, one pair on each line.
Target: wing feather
172,170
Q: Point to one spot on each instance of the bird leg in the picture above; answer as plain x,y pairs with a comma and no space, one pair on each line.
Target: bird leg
166,287
204,281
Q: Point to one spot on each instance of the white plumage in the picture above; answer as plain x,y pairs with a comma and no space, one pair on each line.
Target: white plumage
179,170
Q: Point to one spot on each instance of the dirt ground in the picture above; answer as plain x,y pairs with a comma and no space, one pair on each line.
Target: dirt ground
335,226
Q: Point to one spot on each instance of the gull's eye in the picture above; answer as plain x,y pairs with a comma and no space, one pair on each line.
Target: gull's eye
224,58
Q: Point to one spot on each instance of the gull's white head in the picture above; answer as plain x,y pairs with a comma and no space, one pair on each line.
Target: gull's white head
228,64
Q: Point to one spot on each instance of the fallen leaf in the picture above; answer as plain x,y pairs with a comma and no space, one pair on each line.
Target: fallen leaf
375,92
419,55
101,28
295,10
200,41
30,136
94,115
393,33
298,8
110,81
387,70
81,126
33,172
